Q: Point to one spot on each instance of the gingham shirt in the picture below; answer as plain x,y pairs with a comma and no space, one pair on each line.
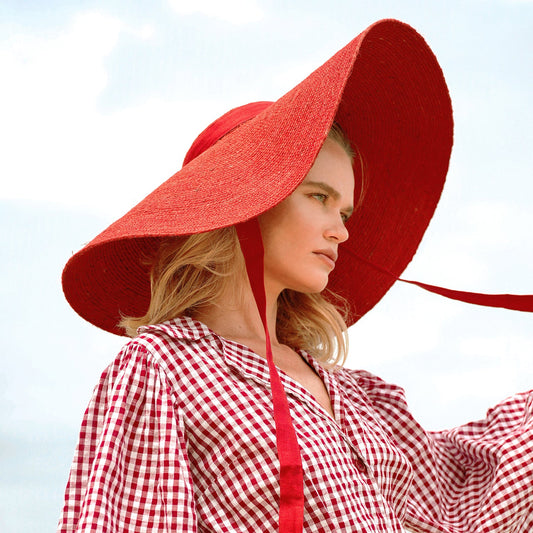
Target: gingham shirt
179,437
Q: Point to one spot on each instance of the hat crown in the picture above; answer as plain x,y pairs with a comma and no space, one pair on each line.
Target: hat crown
222,126
386,91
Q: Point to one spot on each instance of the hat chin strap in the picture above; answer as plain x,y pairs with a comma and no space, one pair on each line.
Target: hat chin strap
291,504
291,473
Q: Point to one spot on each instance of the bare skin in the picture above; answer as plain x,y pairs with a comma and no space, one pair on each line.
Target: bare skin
297,234
245,327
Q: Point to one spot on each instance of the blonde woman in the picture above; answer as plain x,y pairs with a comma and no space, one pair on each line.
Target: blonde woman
229,410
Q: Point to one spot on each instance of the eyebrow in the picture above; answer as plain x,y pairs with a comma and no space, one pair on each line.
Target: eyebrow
331,191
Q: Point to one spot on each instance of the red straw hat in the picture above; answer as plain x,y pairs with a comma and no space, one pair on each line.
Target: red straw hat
386,91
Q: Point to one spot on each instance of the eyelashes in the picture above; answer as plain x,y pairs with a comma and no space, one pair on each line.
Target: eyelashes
322,198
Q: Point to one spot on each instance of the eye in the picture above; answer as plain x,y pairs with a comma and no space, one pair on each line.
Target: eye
320,196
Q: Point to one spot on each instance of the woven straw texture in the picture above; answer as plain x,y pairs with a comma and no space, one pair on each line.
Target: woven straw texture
387,92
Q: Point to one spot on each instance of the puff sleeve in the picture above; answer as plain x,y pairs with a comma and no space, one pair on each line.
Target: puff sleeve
130,470
475,478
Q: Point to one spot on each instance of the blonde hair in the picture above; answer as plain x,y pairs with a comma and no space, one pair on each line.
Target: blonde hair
337,134
191,273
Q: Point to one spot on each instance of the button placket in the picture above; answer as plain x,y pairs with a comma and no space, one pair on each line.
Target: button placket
337,401
294,389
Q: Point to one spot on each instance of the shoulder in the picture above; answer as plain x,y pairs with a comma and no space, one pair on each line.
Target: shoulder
375,390
363,380
173,340
186,352
170,357
169,349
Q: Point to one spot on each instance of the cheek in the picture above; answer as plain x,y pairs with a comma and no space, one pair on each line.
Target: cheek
276,222
285,228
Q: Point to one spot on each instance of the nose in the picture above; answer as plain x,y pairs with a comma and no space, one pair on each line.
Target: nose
337,231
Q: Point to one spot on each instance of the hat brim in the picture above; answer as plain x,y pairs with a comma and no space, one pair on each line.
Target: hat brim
387,92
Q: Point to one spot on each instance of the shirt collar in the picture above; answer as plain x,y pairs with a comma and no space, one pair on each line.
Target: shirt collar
240,358
184,328
235,355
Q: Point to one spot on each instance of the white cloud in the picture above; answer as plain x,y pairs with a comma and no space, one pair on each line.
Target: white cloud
56,69
144,33
234,11
51,93
60,147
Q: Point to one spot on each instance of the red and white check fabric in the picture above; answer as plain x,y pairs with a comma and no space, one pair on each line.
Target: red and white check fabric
179,437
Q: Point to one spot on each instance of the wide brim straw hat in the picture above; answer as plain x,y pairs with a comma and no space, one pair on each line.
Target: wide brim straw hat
386,91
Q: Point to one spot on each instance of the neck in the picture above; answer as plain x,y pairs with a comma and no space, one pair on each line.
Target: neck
235,316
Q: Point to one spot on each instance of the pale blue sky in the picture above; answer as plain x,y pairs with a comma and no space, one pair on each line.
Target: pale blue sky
100,101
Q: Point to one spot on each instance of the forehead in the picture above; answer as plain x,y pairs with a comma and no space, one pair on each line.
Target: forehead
333,167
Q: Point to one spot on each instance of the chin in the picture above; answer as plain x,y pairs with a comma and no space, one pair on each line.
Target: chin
312,286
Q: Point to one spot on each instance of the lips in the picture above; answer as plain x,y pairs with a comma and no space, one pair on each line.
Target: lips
328,256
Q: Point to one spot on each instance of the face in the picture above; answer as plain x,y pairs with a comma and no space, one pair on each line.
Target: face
302,234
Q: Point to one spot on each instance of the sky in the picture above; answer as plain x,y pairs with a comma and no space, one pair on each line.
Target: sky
99,102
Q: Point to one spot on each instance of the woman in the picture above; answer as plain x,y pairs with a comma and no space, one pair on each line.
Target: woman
229,410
